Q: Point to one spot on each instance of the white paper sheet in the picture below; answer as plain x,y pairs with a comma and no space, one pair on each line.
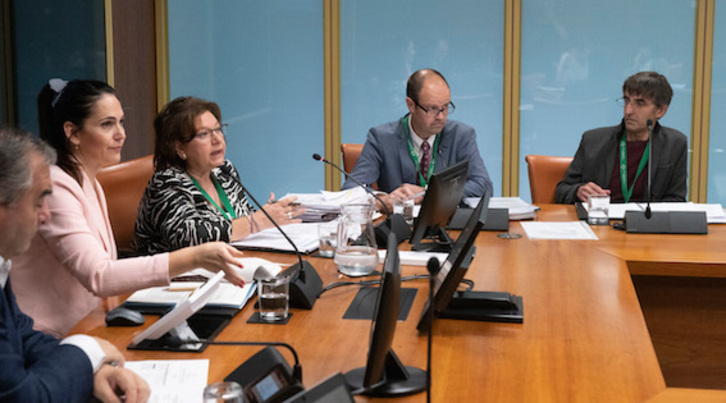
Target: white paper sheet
558,230
304,235
173,381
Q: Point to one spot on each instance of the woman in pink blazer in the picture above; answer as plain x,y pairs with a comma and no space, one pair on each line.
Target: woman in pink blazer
72,262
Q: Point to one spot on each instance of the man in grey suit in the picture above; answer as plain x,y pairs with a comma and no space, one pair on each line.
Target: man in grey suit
614,160
401,156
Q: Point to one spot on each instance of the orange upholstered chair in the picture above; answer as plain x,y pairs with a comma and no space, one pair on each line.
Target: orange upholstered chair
544,174
351,152
124,185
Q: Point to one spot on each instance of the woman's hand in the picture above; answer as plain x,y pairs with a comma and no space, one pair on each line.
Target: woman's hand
283,211
213,256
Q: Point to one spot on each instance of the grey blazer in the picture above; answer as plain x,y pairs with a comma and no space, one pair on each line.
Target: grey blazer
595,159
385,158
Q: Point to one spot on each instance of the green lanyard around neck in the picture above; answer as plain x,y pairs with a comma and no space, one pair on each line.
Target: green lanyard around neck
627,193
229,213
414,157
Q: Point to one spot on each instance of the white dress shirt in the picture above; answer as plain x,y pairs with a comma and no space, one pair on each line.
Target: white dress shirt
417,141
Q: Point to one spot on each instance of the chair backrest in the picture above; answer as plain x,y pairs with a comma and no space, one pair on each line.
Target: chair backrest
351,152
544,173
124,185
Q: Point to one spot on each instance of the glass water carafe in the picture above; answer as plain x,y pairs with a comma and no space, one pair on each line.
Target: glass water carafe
356,253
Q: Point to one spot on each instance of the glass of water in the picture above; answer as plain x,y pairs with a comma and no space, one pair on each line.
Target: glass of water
274,298
404,207
327,233
223,392
597,209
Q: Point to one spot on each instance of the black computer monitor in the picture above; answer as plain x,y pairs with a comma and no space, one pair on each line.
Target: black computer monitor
471,305
439,205
384,375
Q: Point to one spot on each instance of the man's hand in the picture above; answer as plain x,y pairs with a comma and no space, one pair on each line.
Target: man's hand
115,384
111,352
590,188
407,191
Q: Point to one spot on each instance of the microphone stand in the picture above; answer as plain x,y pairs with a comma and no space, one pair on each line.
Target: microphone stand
433,267
305,284
663,222
650,165
393,222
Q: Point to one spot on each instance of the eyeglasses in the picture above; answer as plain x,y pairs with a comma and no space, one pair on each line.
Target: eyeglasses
205,135
636,104
434,112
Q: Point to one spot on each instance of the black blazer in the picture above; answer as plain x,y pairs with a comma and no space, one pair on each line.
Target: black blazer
595,159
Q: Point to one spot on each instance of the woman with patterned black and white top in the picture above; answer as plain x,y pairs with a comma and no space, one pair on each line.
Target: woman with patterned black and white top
195,195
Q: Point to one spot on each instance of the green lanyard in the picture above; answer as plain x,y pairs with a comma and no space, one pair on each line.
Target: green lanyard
414,157
229,214
624,168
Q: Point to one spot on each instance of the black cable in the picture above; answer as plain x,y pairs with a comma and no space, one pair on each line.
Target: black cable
297,367
338,284
469,283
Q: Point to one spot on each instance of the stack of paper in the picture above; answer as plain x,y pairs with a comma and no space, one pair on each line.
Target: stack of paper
227,298
304,235
518,208
325,206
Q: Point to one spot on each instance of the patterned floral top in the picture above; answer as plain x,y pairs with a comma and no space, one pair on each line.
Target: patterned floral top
174,214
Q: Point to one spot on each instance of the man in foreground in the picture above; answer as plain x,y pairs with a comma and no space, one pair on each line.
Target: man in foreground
36,366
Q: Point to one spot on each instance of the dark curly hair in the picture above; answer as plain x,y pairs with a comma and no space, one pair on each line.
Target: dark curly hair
175,123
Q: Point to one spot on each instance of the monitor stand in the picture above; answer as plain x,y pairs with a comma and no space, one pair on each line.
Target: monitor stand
488,306
441,242
400,380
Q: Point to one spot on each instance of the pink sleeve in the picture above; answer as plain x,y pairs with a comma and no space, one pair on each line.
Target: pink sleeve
78,235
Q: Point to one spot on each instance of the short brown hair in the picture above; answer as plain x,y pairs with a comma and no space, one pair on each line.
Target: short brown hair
649,84
175,123
416,82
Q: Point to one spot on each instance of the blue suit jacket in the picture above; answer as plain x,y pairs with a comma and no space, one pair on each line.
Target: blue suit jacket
34,368
385,158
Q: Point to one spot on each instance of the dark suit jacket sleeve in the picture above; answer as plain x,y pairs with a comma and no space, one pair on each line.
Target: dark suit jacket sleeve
368,167
478,181
669,179
34,367
566,191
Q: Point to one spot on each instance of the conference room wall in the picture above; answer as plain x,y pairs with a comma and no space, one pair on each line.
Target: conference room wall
717,146
575,57
50,42
383,42
262,62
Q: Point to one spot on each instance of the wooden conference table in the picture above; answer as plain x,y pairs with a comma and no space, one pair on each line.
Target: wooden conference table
584,338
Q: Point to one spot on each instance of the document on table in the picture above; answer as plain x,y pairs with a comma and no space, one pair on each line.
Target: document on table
411,258
304,235
518,208
175,381
558,230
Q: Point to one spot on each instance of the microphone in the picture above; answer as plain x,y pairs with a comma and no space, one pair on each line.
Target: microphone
305,284
650,165
433,268
393,222
175,342
662,222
